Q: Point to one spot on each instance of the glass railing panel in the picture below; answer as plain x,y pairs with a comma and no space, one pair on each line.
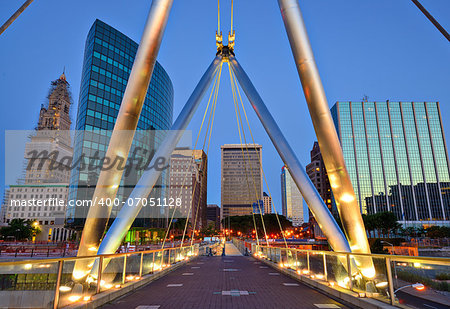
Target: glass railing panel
302,262
147,263
132,267
316,265
376,286
336,270
159,261
28,284
112,273
290,259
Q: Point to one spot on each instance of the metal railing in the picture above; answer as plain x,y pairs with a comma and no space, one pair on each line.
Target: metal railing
337,269
49,283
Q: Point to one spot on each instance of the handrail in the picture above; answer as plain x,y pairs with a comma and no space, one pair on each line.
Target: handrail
380,287
73,258
407,258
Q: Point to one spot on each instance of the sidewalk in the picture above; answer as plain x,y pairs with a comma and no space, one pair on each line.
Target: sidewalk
439,297
231,250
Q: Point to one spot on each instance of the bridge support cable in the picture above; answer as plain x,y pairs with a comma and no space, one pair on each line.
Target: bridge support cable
214,90
207,137
216,78
143,188
262,169
432,19
246,158
14,16
327,137
320,211
121,139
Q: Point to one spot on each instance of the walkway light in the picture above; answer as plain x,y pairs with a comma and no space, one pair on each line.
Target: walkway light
418,286
74,298
64,288
381,284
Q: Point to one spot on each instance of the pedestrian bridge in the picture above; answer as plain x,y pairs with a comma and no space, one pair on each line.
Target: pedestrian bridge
247,276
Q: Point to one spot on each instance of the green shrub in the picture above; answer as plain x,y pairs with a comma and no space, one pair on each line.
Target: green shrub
443,276
414,277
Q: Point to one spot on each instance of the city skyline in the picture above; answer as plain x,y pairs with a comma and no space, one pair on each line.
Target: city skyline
351,83
121,163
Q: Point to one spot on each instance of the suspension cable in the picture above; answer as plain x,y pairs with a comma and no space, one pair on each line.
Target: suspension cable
246,158
213,90
209,128
184,178
251,169
231,17
218,16
262,169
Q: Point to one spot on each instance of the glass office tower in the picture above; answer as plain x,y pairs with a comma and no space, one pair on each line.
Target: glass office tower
397,157
108,59
291,198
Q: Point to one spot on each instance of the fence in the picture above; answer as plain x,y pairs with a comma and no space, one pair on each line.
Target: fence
49,283
337,269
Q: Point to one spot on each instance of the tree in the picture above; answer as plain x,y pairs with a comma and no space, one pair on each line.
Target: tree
209,230
20,229
179,225
377,247
438,231
369,223
382,222
246,225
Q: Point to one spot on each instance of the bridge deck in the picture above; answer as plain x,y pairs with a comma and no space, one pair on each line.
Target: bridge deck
225,282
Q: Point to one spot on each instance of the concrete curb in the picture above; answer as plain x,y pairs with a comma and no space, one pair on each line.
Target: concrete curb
108,296
348,297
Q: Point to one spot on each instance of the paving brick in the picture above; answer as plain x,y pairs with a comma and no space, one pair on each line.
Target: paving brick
212,287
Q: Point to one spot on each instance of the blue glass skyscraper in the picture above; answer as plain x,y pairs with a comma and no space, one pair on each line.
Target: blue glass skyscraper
108,59
397,157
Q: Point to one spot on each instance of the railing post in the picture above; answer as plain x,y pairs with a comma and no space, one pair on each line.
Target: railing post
325,271
153,263
307,261
141,264
124,274
296,260
390,281
99,274
58,284
349,272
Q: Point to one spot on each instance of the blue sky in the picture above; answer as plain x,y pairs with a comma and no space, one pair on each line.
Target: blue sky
383,49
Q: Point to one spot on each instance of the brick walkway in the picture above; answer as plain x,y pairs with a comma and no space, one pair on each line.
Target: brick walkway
224,282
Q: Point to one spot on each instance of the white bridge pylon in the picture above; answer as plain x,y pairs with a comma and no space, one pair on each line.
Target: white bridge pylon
327,223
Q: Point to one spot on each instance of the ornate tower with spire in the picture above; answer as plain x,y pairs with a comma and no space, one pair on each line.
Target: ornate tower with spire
52,141
56,115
